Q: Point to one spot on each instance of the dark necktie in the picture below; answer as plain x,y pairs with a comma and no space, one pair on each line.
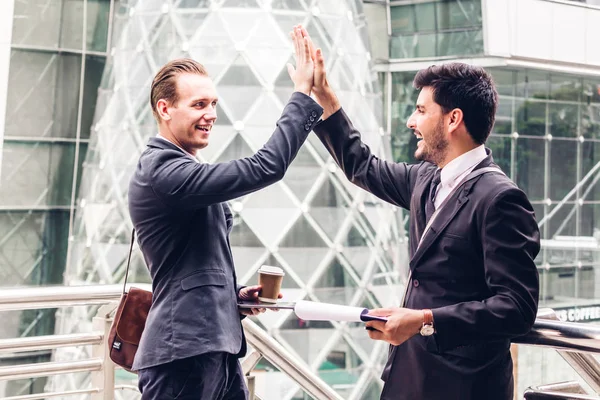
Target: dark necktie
429,204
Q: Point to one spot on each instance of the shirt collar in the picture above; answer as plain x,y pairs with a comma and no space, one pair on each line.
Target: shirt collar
461,164
158,135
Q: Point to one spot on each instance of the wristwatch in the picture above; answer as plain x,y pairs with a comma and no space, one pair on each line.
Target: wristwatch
427,328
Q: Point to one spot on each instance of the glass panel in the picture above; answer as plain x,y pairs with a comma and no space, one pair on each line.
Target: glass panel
94,67
402,19
458,14
530,167
33,247
563,119
504,80
591,90
589,219
37,174
531,118
71,25
504,116
590,121
36,23
532,84
43,91
425,20
304,260
565,87
302,234
500,147
462,42
98,13
563,168
242,236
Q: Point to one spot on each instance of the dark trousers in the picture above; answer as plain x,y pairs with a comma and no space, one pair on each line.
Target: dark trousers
211,376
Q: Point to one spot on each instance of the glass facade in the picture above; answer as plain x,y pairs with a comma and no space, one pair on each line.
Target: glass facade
57,57
435,29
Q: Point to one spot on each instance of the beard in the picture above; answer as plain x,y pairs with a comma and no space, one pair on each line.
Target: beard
436,147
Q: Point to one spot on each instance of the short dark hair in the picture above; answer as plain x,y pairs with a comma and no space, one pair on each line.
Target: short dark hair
164,84
470,88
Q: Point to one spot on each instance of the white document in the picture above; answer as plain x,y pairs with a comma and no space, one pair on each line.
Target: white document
314,311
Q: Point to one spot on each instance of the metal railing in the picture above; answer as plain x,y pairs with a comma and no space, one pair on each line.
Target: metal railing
574,341
100,366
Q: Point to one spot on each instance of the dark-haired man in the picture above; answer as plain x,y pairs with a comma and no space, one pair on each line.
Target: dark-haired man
193,337
473,240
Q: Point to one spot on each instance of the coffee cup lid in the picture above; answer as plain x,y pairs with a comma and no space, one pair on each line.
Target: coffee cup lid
267,269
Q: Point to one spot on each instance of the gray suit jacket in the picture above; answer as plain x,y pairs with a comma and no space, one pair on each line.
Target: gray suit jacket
474,268
182,221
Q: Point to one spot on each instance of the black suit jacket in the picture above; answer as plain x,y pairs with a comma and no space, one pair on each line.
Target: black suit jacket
474,268
178,209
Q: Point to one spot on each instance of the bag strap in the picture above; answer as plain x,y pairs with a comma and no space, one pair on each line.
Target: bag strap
129,258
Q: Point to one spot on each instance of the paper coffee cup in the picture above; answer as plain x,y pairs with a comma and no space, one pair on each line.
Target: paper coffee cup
269,278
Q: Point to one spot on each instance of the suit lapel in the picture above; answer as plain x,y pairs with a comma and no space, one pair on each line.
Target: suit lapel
443,218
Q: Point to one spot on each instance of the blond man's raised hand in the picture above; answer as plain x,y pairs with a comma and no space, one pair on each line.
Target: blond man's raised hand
323,93
303,74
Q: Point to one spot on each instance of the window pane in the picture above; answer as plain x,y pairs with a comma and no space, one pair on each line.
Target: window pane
504,117
590,121
71,25
97,24
462,42
531,118
530,167
504,80
500,147
36,23
425,20
36,174
33,247
564,87
563,168
459,14
563,119
94,67
402,19
43,91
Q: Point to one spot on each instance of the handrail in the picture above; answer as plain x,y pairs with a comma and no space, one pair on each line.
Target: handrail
287,363
568,336
42,396
16,345
535,394
48,368
50,297
572,340
30,298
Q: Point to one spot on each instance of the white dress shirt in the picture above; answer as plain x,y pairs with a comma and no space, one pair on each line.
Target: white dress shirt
457,169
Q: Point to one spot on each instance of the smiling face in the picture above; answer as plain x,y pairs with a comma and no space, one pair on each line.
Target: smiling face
189,120
427,122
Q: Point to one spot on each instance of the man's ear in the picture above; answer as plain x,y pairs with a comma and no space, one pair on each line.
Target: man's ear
162,108
455,119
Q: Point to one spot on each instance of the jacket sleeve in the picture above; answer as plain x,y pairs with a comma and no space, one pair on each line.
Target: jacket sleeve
392,182
511,241
182,182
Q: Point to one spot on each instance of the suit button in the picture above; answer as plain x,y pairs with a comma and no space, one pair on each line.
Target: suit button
416,283
313,114
312,119
307,127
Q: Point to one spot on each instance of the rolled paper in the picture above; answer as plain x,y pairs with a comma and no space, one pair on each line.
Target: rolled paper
315,311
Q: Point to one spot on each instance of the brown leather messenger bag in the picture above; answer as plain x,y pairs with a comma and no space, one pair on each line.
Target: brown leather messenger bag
130,319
